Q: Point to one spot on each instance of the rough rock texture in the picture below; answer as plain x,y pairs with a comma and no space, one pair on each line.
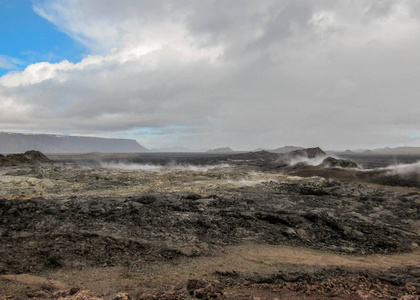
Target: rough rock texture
269,160
347,286
246,225
334,162
29,157
260,158
81,295
308,153
343,287
95,230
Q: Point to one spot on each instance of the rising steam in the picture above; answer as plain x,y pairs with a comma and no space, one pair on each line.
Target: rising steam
168,167
404,169
308,161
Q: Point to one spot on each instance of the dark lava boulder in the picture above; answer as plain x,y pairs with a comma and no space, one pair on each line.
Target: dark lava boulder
260,158
303,154
394,179
2,159
334,162
251,156
29,157
308,152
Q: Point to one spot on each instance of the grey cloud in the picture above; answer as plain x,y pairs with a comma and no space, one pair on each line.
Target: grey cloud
338,74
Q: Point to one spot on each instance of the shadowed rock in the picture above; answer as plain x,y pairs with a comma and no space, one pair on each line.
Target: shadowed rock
29,157
334,162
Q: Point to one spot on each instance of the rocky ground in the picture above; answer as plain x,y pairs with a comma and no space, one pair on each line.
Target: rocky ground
229,231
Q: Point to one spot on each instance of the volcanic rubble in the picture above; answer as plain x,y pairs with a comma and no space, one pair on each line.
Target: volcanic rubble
65,216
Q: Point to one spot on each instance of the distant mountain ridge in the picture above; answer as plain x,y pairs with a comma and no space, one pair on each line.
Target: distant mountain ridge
220,150
286,149
398,150
173,149
388,150
48,143
280,150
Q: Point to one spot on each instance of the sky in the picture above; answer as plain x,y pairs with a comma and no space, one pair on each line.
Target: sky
339,74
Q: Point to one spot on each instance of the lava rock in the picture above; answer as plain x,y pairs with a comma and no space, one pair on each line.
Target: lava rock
334,162
289,158
29,157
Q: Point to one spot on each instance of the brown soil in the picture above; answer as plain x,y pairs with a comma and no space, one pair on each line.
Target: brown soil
242,270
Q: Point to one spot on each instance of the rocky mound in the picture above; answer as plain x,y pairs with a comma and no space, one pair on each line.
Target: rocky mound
220,150
272,160
29,157
260,159
297,156
334,162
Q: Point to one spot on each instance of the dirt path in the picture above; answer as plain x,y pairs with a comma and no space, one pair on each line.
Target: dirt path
277,255
246,260
236,261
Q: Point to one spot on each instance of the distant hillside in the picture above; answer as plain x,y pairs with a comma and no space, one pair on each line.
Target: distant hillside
220,150
286,149
280,150
47,143
388,151
173,149
398,150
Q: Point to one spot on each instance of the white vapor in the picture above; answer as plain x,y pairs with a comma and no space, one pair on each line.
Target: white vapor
168,167
404,169
309,161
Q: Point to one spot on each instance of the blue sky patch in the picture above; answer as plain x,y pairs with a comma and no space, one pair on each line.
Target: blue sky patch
27,38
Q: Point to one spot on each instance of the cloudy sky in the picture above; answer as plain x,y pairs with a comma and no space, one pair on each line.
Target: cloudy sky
204,74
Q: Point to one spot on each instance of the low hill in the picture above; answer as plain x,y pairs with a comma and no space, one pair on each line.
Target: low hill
398,150
387,151
173,149
220,150
302,155
280,150
47,143
286,149
266,159
29,157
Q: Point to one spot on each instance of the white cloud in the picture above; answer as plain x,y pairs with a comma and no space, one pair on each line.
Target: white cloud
8,62
243,74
